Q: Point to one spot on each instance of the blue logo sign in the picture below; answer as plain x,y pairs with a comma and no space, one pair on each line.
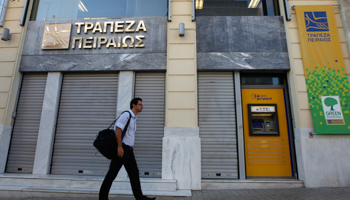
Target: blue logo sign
316,21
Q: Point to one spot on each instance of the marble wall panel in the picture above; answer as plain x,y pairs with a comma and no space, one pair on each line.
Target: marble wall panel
322,159
103,62
345,16
243,61
241,34
181,159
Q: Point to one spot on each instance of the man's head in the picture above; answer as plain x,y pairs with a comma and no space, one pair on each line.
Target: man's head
136,104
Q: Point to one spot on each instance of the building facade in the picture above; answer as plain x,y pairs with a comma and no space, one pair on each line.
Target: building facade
226,101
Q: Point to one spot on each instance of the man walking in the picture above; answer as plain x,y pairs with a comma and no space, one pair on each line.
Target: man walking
125,154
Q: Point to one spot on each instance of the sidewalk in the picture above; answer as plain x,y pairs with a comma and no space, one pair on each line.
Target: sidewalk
273,194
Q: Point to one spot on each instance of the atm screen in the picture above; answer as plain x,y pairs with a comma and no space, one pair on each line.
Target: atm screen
258,124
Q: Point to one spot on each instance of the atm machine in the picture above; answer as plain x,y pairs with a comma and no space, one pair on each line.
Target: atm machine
267,146
263,120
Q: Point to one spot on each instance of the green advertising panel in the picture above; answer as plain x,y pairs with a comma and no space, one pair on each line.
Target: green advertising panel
326,78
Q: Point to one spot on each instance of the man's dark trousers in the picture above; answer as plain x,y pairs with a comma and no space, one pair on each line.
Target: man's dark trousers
131,167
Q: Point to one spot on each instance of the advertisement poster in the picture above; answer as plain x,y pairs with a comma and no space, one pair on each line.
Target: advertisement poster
326,79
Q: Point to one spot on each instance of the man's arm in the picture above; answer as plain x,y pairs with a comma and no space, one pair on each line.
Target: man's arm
118,136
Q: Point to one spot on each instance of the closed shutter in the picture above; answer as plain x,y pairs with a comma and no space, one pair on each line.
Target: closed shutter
150,123
217,125
27,122
88,104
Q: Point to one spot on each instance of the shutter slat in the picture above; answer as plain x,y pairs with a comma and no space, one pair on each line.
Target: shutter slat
150,87
87,105
217,125
26,126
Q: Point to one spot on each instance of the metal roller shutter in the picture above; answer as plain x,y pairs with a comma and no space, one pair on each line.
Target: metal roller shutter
88,104
150,123
27,122
217,125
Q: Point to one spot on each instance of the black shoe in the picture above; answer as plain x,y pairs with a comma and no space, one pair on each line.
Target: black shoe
149,198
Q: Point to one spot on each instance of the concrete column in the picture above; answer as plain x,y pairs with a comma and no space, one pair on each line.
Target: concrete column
345,16
47,128
5,138
181,143
125,95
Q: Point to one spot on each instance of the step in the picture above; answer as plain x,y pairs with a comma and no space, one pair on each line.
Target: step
251,184
12,191
82,182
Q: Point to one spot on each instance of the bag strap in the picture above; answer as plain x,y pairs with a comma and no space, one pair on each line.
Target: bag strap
118,118
126,126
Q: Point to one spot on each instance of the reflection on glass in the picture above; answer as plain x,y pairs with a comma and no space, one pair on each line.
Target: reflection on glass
235,7
75,9
261,80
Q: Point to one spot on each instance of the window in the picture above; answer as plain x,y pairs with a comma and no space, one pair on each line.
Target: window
237,8
252,79
3,8
86,9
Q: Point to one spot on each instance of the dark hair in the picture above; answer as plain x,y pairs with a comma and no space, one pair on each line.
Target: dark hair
134,101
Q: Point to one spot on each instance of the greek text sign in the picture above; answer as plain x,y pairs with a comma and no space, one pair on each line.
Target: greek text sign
326,78
57,36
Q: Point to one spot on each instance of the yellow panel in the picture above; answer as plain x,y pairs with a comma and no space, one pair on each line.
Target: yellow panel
190,37
174,24
181,51
182,8
298,66
8,54
14,42
3,100
6,68
2,116
181,118
296,49
181,83
181,100
267,156
5,84
179,67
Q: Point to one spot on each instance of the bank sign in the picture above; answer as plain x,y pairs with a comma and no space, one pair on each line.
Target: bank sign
57,36
325,74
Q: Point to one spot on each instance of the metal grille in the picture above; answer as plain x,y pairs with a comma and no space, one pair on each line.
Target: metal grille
27,122
88,104
217,125
150,87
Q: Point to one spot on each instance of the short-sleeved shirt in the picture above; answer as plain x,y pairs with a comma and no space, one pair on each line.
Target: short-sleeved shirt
129,137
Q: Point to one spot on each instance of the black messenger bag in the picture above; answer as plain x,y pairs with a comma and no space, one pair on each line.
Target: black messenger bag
106,142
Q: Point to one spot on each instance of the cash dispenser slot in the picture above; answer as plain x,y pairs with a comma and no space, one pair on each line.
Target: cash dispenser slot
263,120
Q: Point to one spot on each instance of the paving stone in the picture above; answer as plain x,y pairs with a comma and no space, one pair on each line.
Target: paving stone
265,194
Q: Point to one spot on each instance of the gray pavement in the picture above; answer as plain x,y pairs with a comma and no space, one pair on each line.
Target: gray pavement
270,194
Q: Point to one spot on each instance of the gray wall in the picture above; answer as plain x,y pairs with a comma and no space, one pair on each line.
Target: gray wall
151,57
345,16
241,43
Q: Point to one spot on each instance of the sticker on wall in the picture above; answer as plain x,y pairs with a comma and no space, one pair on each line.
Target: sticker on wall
332,110
56,36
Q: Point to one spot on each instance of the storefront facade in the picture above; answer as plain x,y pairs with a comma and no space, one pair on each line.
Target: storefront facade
225,104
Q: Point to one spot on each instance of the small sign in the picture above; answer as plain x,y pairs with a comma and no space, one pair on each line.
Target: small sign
263,108
56,36
332,110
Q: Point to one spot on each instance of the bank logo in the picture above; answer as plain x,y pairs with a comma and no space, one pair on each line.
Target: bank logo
332,110
316,21
56,36
261,97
